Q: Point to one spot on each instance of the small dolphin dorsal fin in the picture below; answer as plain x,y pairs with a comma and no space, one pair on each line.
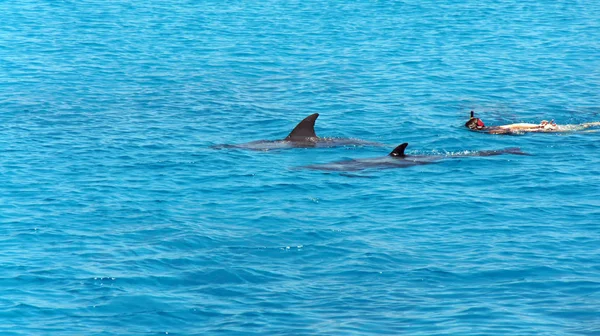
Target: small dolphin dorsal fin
399,151
304,129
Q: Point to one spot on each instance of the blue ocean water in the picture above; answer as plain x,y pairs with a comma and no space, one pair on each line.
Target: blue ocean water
118,217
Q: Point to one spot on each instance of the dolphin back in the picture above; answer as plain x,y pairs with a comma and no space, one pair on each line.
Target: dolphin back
511,150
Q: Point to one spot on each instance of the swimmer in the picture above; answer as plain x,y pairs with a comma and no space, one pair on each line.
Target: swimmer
476,124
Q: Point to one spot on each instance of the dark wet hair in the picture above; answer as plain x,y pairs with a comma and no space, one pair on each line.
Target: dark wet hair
472,123
475,123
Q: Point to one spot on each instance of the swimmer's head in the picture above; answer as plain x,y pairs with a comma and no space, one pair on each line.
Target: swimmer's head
475,124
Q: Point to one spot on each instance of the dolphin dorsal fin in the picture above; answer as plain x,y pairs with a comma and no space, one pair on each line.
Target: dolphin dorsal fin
304,129
399,151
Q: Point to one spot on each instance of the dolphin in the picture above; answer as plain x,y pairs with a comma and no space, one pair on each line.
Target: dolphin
303,136
398,159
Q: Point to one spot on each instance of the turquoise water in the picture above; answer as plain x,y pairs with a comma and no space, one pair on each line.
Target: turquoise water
118,216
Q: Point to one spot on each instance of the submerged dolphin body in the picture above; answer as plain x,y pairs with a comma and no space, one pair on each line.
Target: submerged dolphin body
303,136
397,159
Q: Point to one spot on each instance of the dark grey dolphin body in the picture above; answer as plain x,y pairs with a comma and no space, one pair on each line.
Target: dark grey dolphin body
397,159
302,136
